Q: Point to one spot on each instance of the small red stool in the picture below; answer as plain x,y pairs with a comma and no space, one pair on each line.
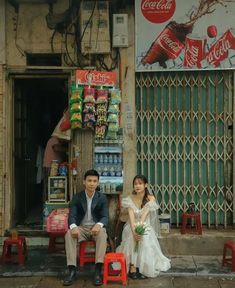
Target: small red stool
230,260
20,244
197,228
108,260
53,244
84,255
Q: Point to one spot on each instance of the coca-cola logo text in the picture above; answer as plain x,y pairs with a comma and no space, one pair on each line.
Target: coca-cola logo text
219,51
174,46
158,11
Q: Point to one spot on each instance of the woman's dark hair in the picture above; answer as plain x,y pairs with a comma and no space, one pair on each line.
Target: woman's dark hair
143,179
91,172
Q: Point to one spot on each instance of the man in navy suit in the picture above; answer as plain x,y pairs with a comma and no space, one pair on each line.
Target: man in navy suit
88,218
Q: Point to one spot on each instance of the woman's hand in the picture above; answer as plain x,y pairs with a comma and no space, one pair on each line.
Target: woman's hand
137,237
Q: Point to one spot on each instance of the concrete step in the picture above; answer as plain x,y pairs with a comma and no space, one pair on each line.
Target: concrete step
174,243
211,242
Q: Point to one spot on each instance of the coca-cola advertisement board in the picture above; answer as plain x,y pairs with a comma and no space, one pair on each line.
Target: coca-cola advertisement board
184,35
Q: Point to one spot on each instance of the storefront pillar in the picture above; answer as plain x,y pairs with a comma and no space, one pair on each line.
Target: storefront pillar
127,83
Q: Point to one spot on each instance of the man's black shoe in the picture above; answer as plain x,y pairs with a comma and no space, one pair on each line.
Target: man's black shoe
97,278
70,279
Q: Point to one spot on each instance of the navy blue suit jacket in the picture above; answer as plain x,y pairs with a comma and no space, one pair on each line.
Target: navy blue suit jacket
78,208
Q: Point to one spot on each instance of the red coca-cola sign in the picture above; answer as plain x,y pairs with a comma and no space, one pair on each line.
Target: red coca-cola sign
219,51
158,11
194,51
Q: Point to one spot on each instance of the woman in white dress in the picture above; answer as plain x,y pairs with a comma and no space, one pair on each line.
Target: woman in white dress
147,260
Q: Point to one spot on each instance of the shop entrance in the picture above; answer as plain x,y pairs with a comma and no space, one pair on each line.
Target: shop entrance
38,106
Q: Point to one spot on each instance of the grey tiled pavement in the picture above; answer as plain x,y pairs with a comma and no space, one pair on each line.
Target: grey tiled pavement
47,270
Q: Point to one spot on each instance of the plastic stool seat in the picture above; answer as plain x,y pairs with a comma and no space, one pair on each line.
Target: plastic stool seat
20,244
84,255
122,275
53,243
229,260
196,229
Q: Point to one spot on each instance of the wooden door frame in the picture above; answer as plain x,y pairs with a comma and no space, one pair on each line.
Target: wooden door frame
9,167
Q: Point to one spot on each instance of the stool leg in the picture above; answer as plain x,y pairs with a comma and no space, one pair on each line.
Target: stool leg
224,256
184,223
51,247
105,273
20,253
4,252
124,273
233,261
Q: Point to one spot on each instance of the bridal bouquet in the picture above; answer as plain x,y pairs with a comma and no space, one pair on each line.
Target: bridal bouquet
140,229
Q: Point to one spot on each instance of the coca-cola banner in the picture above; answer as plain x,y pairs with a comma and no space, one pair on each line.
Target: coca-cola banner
185,35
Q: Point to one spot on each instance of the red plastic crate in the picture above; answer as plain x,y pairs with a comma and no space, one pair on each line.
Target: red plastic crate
57,221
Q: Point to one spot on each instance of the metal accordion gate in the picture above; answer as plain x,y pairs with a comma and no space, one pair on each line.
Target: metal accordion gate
184,124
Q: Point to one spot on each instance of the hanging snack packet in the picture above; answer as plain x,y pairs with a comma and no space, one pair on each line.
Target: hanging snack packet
76,94
111,135
101,119
89,108
101,96
75,107
113,108
76,125
76,117
100,131
89,117
101,108
115,96
113,127
89,124
89,94
113,118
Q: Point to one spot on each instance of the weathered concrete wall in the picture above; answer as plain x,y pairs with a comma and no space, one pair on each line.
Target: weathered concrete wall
27,31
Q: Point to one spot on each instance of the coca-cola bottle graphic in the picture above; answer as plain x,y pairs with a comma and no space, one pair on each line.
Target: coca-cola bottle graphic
168,44
171,41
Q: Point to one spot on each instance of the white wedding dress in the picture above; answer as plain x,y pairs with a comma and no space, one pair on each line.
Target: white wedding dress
148,257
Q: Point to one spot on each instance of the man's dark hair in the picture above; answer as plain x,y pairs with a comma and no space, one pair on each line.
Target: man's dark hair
91,172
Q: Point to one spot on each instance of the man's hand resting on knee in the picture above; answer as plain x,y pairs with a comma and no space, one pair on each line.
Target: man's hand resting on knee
75,232
95,229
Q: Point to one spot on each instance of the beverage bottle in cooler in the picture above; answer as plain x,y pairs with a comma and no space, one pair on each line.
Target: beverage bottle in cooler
105,158
112,171
110,160
101,159
115,159
96,158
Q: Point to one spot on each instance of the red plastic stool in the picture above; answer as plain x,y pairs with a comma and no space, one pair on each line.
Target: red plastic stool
230,260
85,255
108,260
197,228
53,244
20,244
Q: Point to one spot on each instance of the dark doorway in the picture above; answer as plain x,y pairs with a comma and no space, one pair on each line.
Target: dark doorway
38,106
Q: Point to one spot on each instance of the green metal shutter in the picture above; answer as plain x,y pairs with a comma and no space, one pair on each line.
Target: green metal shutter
184,141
